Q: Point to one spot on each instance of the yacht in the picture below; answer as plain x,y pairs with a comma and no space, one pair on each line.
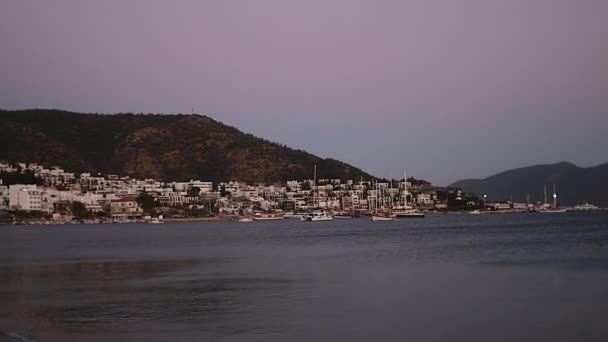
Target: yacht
584,207
554,209
317,215
405,211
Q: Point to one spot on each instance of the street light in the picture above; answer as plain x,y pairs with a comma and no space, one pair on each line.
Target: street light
484,201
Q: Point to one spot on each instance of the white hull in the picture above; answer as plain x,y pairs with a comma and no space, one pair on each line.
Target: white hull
410,215
554,211
321,218
245,220
268,218
382,218
317,216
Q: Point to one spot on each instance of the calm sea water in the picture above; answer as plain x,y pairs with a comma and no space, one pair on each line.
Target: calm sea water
499,277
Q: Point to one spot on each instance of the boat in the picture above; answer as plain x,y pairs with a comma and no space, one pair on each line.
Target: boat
268,217
405,211
157,220
317,215
554,211
554,208
245,219
584,207
343,216
383,217
408,213
292,216
475,212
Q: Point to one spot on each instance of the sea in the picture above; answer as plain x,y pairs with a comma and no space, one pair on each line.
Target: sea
447,277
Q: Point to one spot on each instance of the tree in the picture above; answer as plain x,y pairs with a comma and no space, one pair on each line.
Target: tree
223,191
194,191
146,202
79,210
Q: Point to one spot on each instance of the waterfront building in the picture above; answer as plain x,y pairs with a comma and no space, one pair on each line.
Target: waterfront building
24,197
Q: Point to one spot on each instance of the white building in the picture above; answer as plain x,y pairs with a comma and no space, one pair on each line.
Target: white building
24,197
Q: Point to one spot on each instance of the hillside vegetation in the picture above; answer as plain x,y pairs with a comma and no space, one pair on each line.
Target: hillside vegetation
165,147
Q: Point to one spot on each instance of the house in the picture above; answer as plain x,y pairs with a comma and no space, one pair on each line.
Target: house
125,208
24,197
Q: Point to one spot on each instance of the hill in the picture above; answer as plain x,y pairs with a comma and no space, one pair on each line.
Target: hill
574,184
166,147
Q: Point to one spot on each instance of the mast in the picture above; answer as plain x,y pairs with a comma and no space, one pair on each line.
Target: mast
545,192
554,197
390,191
405,189
314,189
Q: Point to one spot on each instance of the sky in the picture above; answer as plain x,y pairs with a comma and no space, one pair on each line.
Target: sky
443,89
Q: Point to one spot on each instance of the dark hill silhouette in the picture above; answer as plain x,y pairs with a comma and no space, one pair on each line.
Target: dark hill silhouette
574,184
167,147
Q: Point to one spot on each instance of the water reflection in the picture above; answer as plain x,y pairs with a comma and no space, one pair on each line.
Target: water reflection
122,295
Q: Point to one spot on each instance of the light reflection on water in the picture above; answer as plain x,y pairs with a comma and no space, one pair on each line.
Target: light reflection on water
520,277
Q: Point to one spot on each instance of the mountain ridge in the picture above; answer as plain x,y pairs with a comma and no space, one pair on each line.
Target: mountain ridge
160,146
574,184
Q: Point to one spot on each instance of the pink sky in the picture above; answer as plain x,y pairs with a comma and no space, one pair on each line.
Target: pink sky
447,89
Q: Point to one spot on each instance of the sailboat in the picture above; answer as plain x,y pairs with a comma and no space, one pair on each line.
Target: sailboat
554,209
317,214
381,215
404,211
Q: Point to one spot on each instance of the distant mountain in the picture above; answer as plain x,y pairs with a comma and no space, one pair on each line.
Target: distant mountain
574,184
167,147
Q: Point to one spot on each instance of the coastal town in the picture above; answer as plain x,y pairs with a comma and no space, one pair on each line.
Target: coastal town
38,194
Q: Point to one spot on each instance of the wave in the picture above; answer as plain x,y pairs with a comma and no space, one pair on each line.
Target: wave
14,337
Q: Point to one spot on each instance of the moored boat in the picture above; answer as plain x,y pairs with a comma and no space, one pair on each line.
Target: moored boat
383,217
584,207
268,217
317,215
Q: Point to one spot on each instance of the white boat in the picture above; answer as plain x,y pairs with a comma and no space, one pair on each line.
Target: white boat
554,211
268,217
408,213
245,219
475,212
317,215
584,207
382,217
